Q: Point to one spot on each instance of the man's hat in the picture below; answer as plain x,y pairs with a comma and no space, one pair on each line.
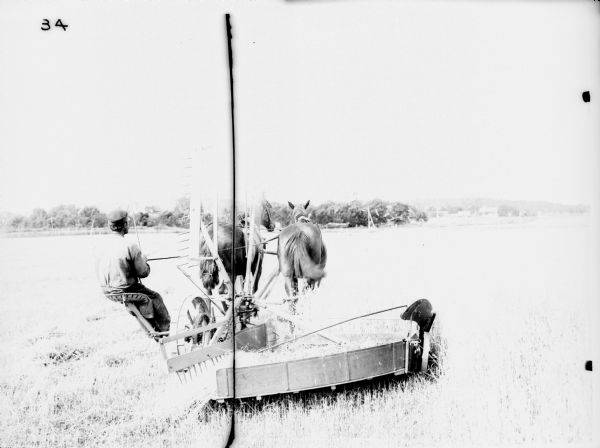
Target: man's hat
116,216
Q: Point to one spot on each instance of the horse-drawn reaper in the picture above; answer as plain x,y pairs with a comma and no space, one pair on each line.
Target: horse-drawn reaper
219,321
230,316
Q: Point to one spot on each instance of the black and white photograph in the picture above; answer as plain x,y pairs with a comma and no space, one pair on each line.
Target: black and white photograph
324,223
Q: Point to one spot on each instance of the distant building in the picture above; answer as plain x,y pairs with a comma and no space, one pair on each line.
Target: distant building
438,212
488,211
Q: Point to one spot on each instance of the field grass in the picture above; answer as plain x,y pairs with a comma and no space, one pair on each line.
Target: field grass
512,302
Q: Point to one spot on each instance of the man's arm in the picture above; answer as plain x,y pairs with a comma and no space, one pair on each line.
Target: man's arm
142,268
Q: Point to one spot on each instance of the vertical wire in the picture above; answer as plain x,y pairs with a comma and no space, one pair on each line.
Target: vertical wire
231,97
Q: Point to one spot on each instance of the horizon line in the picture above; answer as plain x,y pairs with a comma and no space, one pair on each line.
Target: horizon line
140,207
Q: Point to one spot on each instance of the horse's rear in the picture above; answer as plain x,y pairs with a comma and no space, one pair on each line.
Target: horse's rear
302,254
208,269
209,272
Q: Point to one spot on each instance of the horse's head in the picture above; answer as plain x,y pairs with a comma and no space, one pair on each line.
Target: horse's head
262,217
299,212
265,216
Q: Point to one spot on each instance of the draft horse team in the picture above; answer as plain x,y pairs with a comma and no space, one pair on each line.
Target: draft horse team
301,252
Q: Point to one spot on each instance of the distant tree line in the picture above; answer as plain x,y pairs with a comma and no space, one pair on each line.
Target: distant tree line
484,206
90,217
351,214
59,217
327,214
355,213
508,209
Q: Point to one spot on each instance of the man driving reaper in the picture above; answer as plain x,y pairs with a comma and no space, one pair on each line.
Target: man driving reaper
120,265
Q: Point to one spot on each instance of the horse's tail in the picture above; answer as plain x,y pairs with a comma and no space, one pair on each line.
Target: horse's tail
323,254
296,250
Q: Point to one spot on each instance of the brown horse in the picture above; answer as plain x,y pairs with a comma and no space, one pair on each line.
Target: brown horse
209,273
301,251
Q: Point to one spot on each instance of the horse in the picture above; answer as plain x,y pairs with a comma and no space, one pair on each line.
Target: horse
209,273
301,251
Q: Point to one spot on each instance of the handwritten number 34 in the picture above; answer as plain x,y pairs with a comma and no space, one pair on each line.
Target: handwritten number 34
46,25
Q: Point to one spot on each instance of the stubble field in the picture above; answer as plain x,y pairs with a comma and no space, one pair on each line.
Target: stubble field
512,300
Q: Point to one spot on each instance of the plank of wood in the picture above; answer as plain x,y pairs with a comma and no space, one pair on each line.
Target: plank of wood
215,224
248,280
186,360
252,338
141,319
312,373
195,214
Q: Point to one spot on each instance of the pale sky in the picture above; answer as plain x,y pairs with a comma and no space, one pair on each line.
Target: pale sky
335,100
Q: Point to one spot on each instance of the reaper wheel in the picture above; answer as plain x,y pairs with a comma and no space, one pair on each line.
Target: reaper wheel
194,313
421,313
